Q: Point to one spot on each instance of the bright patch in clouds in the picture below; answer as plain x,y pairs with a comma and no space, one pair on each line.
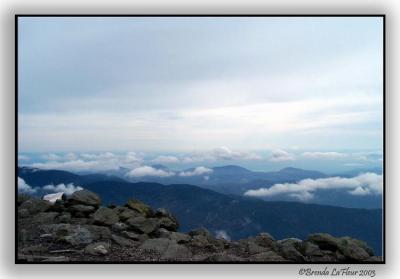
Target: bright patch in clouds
324,155
363,184
280,155
68,189
149,171
23,187
197,171
166,159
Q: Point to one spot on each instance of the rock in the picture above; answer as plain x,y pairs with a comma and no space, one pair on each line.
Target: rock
253,248
122,241
374,259
176,236
311,250
267,241
200,231
268,256
72,234
56,259
289,252
133,236
81,208
85,197
351,250
140,207
98,248
362,244
324,241
57,206
34,206
222,257
23,213
63,218
105,216
117,227
39,249
99,232
125,213
143,225
45,217
54,197
169,224
168,249
22,198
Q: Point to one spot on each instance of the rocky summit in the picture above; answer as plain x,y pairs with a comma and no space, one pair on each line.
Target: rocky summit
79,229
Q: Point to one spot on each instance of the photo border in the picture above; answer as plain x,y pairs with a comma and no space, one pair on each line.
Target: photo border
379,15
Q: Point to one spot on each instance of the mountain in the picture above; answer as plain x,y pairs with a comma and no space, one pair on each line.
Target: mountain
38,177
81,229
237,216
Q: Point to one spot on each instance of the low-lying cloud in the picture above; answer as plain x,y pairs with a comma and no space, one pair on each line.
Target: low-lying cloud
324,155
166,159
23,187
363,184
280,155
197,171
68,189
149,171
222,153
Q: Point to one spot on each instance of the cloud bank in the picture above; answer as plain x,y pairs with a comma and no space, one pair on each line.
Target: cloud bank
280,155
68,189
363,184
149,171
23,187
196,171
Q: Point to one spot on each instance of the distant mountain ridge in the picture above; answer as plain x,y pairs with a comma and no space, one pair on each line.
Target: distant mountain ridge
238,216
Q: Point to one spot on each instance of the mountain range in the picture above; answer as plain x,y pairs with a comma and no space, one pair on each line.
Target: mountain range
236,216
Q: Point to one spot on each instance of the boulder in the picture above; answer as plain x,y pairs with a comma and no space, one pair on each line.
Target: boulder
311,250
81,208
168,249
122,241
351,250
125,213
117,227
289,252
72,234
143,225
98,248
34,206
105,216
267,241
45,217
85,197
268,256
169,224
324,241
140,207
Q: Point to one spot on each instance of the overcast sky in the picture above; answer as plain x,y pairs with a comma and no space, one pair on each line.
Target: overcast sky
193,84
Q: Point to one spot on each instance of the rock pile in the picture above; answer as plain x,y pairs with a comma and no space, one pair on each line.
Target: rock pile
79,229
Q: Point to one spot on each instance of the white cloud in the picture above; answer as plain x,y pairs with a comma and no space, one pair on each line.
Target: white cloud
149,171
79,165
165,159
23,158
366,183
353,165
196,171
51,157
222,153
23,187
280,155
324,155
68,189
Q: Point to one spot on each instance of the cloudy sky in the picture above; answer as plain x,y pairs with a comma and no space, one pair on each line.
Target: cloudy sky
282,85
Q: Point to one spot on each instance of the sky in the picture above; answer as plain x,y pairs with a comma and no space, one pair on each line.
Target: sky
272,90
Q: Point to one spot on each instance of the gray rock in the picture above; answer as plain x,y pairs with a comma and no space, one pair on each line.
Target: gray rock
34,206
351,250
98,248
45,217
99,232
117,227
56,259
168,249
268,256
122,241
267,241
84,209
311,250
200,231
63,218
143,225
85,197
23,213
324,241
140,207
125,213
169,224
362,244
105,216
72,234
289,252
223,257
